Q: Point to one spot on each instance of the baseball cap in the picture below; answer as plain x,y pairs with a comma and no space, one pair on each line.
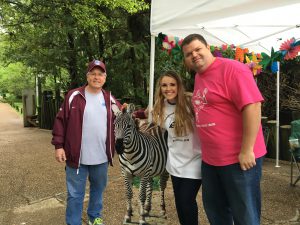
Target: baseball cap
96,63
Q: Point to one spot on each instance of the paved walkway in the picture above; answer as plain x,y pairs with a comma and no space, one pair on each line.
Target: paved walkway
32,183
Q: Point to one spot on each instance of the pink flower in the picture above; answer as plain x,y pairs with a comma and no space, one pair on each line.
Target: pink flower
180,42
289,50
224,47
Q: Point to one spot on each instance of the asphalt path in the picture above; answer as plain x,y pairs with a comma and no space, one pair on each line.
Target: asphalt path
29,173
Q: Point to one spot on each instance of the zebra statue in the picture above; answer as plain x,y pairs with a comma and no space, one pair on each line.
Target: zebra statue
142,153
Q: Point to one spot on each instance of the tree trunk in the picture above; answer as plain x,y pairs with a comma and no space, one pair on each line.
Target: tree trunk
72,63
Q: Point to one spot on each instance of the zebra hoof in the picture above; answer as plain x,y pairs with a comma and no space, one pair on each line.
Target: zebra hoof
142,222
163,213
164,216
127,220
145,213
147,208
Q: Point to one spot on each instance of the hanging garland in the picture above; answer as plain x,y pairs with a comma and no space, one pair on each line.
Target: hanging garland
256,62
172,45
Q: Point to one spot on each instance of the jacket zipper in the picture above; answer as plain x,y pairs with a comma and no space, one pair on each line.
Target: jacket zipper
81,138
110,126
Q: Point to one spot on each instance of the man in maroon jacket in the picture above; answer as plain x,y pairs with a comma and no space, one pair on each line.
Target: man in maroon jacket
83,136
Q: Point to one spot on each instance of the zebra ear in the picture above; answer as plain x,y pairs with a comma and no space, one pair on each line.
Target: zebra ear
115,109
130,108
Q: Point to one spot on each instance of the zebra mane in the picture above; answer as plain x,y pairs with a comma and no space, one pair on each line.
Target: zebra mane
130,110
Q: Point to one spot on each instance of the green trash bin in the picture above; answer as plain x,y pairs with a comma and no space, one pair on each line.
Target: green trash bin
285,132
271,145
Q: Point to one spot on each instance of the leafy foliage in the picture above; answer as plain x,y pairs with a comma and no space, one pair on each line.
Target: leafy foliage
55,37
15,79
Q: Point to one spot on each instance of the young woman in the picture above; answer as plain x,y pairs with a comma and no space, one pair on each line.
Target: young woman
173,111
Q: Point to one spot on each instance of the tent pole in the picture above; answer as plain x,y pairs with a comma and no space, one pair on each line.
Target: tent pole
277,116
151,79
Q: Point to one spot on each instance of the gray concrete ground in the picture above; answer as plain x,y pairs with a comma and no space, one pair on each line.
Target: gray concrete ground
32,184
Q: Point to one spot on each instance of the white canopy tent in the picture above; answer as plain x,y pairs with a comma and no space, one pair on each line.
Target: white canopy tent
253,24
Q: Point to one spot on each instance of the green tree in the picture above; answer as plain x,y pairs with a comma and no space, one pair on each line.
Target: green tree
15,78
53,35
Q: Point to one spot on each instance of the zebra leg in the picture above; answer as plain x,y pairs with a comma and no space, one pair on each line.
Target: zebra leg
163,184
142,197
147,207
128,190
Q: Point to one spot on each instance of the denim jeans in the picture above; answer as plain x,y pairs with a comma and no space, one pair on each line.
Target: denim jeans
76,183
231,194
185,192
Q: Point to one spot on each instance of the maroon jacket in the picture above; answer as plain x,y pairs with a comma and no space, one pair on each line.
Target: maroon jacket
67,129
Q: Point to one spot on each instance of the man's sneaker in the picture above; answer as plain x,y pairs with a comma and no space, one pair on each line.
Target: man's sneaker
97,221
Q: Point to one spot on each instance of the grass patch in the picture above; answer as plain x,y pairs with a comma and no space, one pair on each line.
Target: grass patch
136,183
18,106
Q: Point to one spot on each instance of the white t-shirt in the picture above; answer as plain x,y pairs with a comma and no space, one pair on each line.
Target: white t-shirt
94,127
184,157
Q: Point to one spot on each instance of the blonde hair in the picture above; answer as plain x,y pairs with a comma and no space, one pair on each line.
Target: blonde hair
184,114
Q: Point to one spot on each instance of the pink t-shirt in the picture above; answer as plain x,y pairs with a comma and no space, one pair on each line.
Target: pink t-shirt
220,93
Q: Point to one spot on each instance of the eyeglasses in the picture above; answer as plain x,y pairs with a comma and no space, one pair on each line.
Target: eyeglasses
97,74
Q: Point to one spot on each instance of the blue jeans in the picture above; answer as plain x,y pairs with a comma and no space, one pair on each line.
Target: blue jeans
76,183
185,192
232,195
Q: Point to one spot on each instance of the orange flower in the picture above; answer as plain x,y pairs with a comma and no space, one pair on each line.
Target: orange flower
239,54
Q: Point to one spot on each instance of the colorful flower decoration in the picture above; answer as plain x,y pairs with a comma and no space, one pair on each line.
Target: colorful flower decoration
274,67
254,64
267,61
224,47
290,49
240,54
216,51
170,42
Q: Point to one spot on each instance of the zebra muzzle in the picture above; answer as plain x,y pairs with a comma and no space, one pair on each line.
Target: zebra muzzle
119,146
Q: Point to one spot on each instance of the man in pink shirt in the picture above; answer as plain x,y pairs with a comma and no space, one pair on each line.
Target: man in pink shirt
227,105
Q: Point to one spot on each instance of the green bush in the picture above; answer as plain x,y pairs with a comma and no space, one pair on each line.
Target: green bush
136,183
